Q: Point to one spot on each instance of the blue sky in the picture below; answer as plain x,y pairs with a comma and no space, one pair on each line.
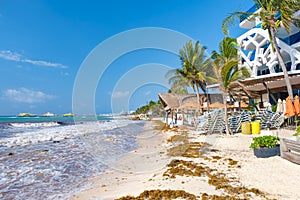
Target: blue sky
44,43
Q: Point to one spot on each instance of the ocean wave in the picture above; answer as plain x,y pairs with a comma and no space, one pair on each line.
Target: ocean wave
34,125
34,166
45,171
4,126
31,133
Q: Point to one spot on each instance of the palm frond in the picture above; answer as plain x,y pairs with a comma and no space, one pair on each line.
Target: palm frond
211,80
233,18
170,73
228,70
228,48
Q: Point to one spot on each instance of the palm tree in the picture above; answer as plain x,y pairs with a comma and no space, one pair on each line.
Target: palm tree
268,13
194,63
226,70
178,84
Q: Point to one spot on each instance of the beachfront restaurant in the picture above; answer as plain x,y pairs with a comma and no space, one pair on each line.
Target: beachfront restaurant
272,87
254,94
184,109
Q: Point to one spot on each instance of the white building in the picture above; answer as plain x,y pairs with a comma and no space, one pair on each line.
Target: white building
256,51
267,82
256,54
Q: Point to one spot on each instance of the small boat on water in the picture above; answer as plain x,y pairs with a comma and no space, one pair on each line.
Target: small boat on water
26,115
68,115
48,114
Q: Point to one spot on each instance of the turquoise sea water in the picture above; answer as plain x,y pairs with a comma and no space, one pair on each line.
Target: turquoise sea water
59,118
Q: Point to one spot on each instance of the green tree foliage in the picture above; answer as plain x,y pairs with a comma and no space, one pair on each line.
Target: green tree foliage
155,108
226,69
193,72
177,82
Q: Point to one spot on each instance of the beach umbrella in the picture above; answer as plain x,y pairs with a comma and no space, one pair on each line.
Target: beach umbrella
205,105
242,105
297,105
290,109
283,106
231,106
269,106
190,105
279,108
216,105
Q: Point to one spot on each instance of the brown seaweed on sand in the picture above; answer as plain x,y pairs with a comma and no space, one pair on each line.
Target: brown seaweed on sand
217,179
189,150
185,168
161,194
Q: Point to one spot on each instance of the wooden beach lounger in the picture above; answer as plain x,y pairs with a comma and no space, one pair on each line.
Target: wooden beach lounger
290,150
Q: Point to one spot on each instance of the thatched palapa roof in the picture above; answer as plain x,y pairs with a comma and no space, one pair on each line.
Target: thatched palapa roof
174,101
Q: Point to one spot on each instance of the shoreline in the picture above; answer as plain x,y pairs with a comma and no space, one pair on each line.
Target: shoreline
125,176
227,158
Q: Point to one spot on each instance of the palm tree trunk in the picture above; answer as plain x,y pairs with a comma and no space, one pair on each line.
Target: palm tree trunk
225,114
206,94
197,93
207,97
281,62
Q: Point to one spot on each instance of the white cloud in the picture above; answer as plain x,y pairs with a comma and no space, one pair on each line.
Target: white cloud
25,95
147,93
9,55
119,94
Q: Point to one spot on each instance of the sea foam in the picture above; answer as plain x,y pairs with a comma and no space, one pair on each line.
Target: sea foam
54,162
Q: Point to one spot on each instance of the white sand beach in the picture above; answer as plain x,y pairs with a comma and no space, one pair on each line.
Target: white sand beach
232,169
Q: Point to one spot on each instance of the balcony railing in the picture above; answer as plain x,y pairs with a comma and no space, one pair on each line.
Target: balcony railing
292,39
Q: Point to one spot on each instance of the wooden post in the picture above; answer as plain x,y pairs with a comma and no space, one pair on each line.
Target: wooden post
269,93
167,115
239,103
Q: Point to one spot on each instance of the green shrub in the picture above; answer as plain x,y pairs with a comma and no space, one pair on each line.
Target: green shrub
267,141
297,133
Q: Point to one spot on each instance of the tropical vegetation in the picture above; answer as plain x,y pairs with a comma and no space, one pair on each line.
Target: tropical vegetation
297,133
273,14
267,141
194,70
222,67
178,83
227,71
155,108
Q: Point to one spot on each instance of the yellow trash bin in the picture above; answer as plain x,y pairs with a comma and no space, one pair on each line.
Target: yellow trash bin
246,127
255,126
